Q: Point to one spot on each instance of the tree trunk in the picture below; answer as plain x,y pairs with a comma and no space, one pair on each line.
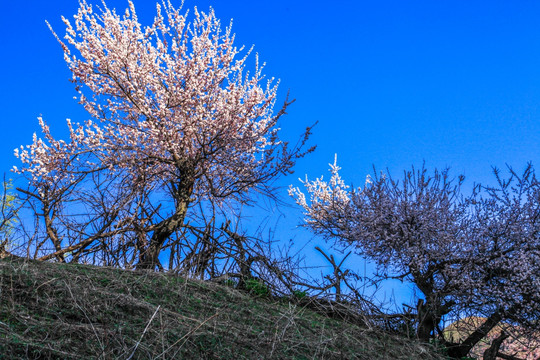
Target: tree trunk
51,230
429,315
426,321
461,350
164,229
491,353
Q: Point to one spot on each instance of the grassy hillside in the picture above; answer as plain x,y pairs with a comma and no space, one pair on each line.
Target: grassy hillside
63,311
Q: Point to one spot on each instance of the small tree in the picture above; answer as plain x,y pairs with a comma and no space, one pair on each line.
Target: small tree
177,121
476,255
8,216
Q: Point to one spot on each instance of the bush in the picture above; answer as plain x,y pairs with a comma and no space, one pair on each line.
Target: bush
299,294
257,288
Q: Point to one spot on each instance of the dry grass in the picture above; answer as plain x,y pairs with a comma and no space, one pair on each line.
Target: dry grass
63,311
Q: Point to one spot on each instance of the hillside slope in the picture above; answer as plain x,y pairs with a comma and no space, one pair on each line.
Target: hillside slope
65,311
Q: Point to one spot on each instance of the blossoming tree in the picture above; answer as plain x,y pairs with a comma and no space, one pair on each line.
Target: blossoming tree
176,120
477,255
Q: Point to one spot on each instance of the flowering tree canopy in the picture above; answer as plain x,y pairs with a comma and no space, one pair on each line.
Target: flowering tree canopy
173,110
477,254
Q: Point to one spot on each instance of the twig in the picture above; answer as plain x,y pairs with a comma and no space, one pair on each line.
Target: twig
86,316
186,335
144,332
49,281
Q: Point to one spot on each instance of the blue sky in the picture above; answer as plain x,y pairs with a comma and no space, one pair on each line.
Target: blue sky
391,83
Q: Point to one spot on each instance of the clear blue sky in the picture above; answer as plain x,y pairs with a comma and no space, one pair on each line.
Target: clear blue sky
392,83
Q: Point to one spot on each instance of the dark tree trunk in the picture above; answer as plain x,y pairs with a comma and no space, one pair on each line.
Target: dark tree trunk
164,229
458,351
51,230
491,353
426,321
